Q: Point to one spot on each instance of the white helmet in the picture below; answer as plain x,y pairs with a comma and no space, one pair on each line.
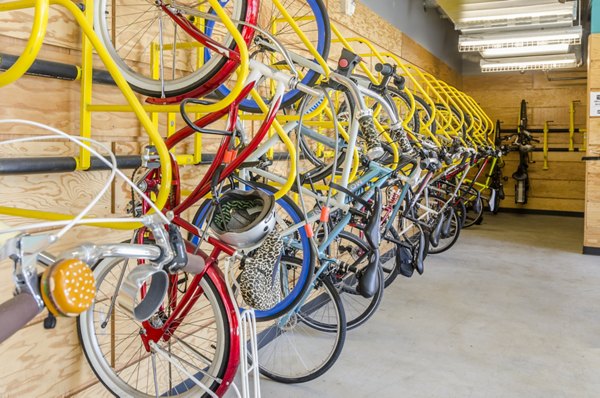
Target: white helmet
243,219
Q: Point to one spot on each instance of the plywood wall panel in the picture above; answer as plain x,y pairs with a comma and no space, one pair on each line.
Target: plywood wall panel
546,204
498,82
501,94
574,171
62,30
53,356
50,363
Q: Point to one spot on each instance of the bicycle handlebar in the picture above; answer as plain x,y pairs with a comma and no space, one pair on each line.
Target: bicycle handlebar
16,313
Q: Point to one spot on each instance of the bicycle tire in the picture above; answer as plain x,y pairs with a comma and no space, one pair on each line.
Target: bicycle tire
307,267
113,375
449,241
321,169
275,362
358,309
411,235
131,58
318,10
461,210
474,209
389,259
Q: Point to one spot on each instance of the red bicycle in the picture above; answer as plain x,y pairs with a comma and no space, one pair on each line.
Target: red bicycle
190,346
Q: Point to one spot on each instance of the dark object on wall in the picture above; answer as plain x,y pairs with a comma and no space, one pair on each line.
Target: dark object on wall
56,70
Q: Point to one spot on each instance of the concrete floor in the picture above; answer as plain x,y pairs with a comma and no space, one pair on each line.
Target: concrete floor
510,311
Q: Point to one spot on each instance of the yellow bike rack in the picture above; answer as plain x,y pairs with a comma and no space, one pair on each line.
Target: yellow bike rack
546,130
36,39
90,40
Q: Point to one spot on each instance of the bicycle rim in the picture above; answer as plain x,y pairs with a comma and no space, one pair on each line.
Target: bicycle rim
317,158
202,344
138,33
352,251
313,20
295,351
297,244
446,243
472,216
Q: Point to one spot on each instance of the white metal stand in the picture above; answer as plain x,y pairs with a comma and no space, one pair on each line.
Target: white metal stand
248,341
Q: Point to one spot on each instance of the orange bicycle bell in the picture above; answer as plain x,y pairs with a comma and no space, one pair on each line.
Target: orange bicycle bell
68,287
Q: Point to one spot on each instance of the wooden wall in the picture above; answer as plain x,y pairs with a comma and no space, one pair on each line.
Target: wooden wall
561,187
591,238
35,362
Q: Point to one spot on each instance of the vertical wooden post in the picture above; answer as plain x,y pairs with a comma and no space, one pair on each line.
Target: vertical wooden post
571,126
591,244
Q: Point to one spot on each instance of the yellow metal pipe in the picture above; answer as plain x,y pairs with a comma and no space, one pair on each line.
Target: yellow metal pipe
347,45
286,141
85,117
52,216
546,129
134,104
36,38
303,38
155,71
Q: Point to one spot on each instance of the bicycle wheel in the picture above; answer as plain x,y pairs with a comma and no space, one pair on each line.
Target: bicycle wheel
296,244
352,252
388,248
291,349
138,34
388,257
113,342
318,147
474,208
461,212
446,242
312,18
412,235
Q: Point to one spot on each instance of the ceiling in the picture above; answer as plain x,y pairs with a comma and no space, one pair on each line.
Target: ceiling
519,34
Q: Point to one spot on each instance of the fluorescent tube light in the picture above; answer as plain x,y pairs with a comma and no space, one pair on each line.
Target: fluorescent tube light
557,13
545,62
530,50
520,39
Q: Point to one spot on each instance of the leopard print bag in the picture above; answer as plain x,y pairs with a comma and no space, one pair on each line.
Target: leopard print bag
260,283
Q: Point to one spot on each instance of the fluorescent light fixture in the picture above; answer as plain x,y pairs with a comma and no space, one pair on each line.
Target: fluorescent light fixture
529,50
528,38
544,62
523,15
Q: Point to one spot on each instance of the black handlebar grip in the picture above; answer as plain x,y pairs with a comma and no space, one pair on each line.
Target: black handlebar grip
384,69
15,313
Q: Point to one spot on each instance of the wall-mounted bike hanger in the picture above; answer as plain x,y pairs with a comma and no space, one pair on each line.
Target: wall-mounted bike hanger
56,70
90,40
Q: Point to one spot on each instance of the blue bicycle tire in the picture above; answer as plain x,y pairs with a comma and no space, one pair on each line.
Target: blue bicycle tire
323,44
308,265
